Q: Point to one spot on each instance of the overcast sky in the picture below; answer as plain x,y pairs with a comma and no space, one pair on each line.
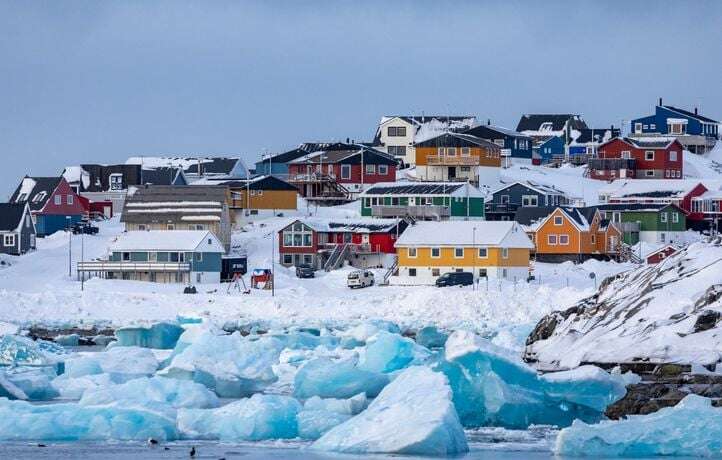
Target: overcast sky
100,81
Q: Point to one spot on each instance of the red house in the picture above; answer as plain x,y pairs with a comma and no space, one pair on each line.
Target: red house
638,158
54,205
325,243
343,171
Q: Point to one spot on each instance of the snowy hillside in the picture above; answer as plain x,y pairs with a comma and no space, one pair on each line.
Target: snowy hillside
664,313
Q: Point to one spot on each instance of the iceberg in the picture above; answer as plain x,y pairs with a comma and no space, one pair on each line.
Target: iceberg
692,428
320,415
431,337
162,336
492,387
122,363
257,418
18,350
301,340
23,421
74,387
28,383
146,392
413,415
359,334
70,340
350,406
326,378
386,352
231,365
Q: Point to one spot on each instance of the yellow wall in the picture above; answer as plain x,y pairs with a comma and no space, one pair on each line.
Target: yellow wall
270,199
483,156
517,258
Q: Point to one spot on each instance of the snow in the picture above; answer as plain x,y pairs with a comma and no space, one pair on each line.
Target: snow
414,415
160,204
76,174
693,428
158,240
26,187
505,234
200,218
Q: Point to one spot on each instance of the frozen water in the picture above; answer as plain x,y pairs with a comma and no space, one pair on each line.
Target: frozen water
413,415
145,392
431,337
22,421
320,415
492,387
16,350
302,340
692,428
121,363
257,418
231,365
351,406
75,387
387,352
70,340
326,378
33,383
359,334
158,335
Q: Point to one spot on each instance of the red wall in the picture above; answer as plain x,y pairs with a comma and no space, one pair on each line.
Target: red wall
63,189
657,258
615,147
299,169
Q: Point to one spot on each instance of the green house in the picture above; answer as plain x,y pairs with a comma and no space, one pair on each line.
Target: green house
423,200
649,223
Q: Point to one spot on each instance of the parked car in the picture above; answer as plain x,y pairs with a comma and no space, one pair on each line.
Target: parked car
360,279
84,227
305,271
455,279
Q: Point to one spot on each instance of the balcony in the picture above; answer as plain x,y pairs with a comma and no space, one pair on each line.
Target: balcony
363,248
502,208
118,266
417,212
612,163
458,160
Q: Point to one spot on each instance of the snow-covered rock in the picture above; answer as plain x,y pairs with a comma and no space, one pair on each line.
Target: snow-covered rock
327,378
413,415
692,428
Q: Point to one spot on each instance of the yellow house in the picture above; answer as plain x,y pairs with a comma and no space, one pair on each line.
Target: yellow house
426,250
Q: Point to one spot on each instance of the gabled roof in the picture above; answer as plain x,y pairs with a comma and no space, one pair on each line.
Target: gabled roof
650,142
171,240
533,122
360,225
35,191
174,203
580,217
423,188
305,149
636,207
256,183
163,175
689,114
504,234
537,187
488,131
11,216
653,188
428,126
353,156
598,136
456,139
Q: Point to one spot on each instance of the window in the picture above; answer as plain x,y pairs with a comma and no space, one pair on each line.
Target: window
9,240
663,217
649,155
125,256
465,169
370,169
199,276
649,173
451,151
662,237
465,151
616,216
530,200
558,220
115,181
307,259
69,199
552,240
199,257
435,253
504,199
345,171
675,217
435,272
546,126
564,240
483,253
459,253
383,170
638,127
504,253
58,200
396,131
297,235
22,197
170,227
396,150
253,193
652,126
676,128
626,155
196,227
645,126
259,192
287,259
152,257
411,252
666,173
679,174
594,239
482,273
412,272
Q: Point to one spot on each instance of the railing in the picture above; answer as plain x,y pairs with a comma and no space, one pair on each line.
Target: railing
418,211
391,271
611,163
508,207
436,160
627,226
118,266
311,177
338,255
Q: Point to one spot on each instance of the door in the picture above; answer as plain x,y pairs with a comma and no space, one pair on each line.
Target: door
365,238
452,172
107,212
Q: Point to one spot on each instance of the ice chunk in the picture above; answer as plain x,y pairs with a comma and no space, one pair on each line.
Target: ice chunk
320,415
387,352
231,365
158,335
692,428
70,340
22,421
145,391
413,415
300,340
74,387
122,363
359,334
33,383
103,340
431,337
493,387
17,350
351,406
326,378
256,418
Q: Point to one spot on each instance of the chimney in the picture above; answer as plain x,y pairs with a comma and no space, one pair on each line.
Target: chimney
347,139
488,121
660,101
695,111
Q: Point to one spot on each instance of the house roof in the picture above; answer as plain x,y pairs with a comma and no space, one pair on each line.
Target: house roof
533,122
370,156
487,131
446,139
209,165
175,203
35,191
305,149
423,188
172,240
11,215
213,166
428,126
360,225
505,234
598,136
255,183
163,175
653,188
532,217
650,142
536,186
637,207
689,114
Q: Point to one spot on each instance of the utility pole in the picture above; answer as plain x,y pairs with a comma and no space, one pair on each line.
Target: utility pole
70,247
273,263
475,253
82,259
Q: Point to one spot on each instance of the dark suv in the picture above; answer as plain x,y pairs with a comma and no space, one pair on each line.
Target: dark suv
455,279
305,271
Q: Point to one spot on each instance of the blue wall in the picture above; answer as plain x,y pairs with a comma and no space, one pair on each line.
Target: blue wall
659,120
551,147
277,168
47,224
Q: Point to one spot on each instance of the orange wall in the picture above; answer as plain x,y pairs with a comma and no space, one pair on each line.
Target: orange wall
484,157
567,228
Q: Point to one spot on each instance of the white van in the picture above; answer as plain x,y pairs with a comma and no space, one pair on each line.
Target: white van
360,279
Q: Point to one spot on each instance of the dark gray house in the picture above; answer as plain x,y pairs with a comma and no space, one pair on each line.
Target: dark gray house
17,230
505,201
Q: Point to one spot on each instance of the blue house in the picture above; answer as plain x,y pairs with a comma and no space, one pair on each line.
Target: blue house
505,201
548,150
695,132
518,144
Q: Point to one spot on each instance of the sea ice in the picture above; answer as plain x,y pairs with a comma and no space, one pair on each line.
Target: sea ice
326,378
692,428
320,415
387,352
74,387
431,337
147,391
359,334
122,363
158,335
413,415
257,418
18,350
33,383
70,340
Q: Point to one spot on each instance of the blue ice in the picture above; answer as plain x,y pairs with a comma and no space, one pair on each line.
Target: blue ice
161,335
326,378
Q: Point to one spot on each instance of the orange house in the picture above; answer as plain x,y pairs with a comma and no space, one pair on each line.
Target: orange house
457,157
570,233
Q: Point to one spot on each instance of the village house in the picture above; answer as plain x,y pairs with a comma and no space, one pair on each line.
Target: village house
513,144
658,254
398,135
649,223
695,132
53,204
504,202
575,234
423,200
182,256
191,207
427,250
17,230
328,243
638,158
549,150
338,176
458,157
587,141
277,164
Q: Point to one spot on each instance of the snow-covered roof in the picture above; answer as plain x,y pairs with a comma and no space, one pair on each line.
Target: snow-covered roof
456,189
170,240
539,187
429,126
505,234
635,187
76,174
359,225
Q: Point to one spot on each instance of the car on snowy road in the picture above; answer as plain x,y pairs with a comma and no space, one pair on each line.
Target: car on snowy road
360,279
305,271
455,279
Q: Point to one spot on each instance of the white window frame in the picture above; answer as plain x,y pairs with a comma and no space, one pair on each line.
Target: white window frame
456,256
673,155
370,170
526,201
383,170
504,253
485,253
649,155
69,199
9,240
58,200
412,253
649,173
345,171
451,151
561,221
561,238
663,217
438,255
675,217
552,240
638,127
626,155
465,152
